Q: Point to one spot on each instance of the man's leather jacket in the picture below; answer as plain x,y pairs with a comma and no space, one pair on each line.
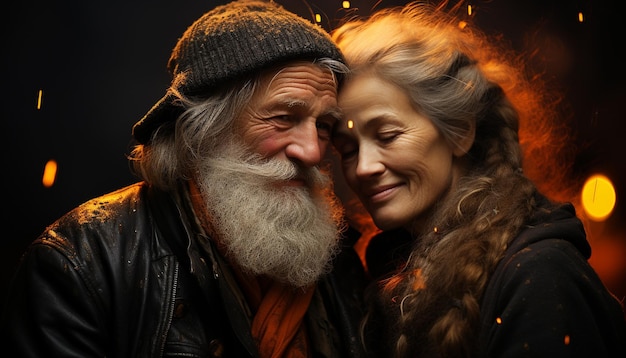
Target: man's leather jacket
121,276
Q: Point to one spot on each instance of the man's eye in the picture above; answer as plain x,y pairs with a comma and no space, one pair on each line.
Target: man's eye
324,126
324,129
281,121
282,118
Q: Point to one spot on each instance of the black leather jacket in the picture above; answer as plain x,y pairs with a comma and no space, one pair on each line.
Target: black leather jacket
121,276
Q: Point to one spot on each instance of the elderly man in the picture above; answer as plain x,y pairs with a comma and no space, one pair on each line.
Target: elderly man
225,247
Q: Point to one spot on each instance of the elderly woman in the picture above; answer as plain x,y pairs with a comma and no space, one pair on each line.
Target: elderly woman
473,259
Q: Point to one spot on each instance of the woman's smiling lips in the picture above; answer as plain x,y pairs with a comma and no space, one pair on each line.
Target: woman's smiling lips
380,193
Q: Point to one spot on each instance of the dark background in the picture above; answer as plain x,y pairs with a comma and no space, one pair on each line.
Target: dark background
102,65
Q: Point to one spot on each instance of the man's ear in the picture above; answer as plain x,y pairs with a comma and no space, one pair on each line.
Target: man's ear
464,145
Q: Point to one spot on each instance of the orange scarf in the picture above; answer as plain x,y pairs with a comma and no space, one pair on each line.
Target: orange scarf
277,324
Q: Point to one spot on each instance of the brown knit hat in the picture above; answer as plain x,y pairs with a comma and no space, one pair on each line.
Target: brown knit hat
230,41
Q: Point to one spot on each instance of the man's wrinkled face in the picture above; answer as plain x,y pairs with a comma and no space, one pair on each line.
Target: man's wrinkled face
291,114
273,209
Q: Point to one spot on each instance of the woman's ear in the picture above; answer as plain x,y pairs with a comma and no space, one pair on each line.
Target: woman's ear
464,145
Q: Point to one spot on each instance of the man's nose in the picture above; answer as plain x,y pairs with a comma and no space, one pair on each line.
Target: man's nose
305,146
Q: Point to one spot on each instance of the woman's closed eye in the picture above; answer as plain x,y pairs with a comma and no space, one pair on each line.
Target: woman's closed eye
388,137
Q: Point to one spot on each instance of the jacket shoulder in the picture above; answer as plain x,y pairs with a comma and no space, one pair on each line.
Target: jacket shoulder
112,221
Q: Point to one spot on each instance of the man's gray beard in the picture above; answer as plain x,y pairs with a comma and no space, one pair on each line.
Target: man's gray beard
288,233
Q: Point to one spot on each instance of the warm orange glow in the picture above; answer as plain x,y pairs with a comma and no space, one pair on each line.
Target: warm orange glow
49,173
318,18
499,320
608,250
580,17
39,96
350,124
346,4
462,24
598,197
566,340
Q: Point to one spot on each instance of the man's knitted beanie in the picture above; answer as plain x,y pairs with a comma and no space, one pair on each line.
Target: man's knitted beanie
234,40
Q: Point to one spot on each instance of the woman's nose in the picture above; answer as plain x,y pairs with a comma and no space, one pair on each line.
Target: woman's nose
369,162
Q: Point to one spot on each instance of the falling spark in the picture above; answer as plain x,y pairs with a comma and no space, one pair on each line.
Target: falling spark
49,173
39,96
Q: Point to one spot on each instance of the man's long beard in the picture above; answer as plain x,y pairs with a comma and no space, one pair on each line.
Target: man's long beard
288,233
